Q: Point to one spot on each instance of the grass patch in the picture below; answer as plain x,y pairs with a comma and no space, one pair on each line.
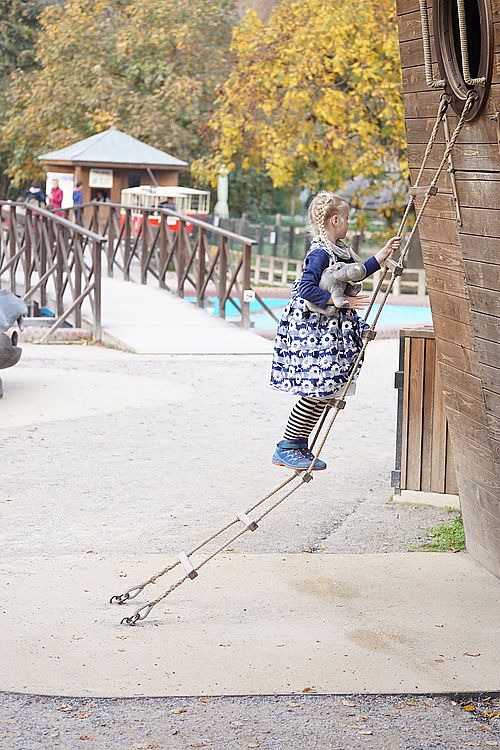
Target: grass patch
446,536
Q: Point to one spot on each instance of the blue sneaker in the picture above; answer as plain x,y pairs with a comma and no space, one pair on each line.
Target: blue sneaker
291,454
319,465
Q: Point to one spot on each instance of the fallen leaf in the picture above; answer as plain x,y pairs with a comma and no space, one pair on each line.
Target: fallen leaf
84,737
483,726
121,650
205,700
365,731
254,744
411,703
348,703
179,710
439,661
473,744
398,706
491,714
237,723
293,705
469,708
491,743
230,550
66,708
83,715
467,654
121,637
439,626
89,551
355,726
198,744
144,745
309,690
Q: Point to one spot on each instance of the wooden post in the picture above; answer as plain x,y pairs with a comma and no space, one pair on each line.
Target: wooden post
245,305
201,267
146,241
111,240
28,223
127,227
43,234
162,259
96,251
78,277
222,275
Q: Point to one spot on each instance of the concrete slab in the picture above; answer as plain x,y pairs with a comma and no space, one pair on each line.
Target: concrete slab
251,624
150,320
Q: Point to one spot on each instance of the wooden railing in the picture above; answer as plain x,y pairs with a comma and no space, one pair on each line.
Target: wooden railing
193,259
51,262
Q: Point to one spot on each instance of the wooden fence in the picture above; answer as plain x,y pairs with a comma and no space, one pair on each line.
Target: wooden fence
50,261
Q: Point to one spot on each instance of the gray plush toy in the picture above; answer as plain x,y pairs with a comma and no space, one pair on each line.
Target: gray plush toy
337,279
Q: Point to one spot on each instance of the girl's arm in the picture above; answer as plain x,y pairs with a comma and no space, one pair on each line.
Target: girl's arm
391,246
315,263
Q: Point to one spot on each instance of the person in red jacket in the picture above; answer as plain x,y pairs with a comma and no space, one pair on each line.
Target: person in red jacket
56,197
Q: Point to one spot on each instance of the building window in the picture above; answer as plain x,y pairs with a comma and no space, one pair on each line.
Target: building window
134,178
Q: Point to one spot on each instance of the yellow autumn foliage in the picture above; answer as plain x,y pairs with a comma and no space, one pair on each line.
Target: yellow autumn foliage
314,95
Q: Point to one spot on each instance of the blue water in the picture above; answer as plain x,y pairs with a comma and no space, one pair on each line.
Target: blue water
392,315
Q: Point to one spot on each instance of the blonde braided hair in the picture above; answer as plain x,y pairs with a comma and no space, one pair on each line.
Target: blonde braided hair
323,206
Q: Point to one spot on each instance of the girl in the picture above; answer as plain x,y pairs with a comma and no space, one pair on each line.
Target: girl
313,353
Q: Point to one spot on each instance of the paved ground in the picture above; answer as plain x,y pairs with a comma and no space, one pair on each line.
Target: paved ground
125,454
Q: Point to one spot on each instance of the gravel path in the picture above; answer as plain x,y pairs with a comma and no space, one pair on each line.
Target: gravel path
158,473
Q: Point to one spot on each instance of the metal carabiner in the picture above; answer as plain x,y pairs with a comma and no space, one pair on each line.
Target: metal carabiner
137,616
129,594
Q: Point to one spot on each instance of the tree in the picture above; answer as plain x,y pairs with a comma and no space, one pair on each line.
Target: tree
152,69
314,96
17,34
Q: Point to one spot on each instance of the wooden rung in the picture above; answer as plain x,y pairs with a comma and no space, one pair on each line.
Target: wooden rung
251,525
187,565
425,190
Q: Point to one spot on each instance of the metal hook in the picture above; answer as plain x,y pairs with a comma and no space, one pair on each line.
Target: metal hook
137,616
129,594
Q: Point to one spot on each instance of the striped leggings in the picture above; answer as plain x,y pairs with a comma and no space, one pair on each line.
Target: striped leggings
304,417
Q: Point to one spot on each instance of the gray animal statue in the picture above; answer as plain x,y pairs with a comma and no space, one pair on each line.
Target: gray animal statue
12,310
338,280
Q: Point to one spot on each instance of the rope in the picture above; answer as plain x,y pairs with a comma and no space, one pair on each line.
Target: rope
335,406
464,47
426,39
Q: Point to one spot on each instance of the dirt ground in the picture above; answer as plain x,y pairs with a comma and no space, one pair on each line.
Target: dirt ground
150,454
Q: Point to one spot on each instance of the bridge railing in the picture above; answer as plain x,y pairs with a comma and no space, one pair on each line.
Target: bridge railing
180,253
51,261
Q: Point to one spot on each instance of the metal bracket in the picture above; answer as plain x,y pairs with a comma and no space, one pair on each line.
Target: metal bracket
396,478
187,565
246,521
451,172
423,190
399,379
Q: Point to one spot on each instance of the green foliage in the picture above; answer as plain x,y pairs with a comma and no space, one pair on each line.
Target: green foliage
19,23
447,536
314,97
152,69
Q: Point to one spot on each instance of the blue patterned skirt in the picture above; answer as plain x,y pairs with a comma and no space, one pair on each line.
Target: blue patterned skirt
313,353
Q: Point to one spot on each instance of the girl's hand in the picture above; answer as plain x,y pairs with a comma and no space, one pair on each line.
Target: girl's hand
391,246
359,302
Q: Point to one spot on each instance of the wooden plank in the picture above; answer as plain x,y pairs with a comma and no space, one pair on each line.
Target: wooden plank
493,421
439,427
488,352
477,431
407,6
482,130
480,248
485,326
484,557
492,402
474,460
454,331
491,377
425,103
442,255
485,301
448,306
483,275
439,230
450,485
429,436
478,493
461,381
454,355
466,157
415,412
410,26
404,423
472,408
448,281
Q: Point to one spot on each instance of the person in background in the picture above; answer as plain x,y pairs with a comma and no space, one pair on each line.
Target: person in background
77,201
35,194
102,196
56,197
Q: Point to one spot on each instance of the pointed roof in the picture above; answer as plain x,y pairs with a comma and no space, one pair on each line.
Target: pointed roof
113,147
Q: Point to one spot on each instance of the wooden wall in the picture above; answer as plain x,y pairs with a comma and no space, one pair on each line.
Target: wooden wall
463,271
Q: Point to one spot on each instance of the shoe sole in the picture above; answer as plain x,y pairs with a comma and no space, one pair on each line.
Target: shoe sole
295,469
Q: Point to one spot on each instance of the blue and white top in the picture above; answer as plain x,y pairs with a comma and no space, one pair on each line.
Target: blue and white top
313,353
